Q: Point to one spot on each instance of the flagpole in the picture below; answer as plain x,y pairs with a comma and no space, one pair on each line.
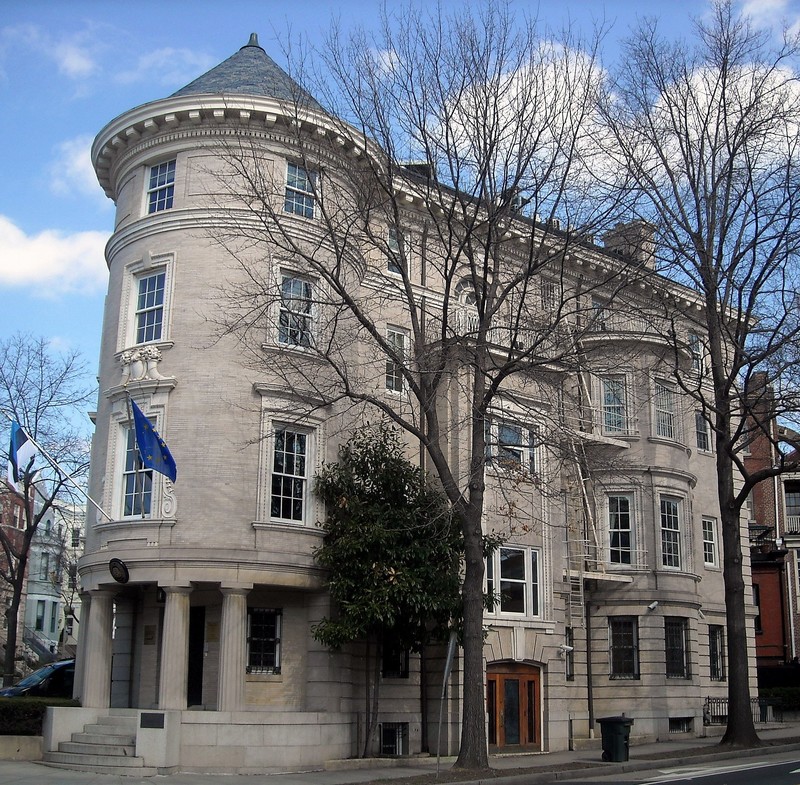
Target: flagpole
138,484
54,463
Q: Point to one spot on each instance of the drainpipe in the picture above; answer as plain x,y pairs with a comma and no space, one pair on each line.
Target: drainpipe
589,694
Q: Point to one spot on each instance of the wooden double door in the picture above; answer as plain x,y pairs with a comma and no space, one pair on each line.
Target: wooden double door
513,704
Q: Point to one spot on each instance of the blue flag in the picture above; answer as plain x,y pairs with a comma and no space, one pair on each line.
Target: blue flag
153,449
21,453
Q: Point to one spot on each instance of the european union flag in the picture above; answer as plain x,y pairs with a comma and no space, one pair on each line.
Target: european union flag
153,449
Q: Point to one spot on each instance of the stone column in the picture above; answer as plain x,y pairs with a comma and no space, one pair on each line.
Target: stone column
232,649
96,671
173,678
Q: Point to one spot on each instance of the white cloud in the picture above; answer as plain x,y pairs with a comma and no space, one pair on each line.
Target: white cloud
74,59
168,66
71,170
769,13
52,264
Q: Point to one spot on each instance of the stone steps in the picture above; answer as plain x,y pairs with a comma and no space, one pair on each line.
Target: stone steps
106,746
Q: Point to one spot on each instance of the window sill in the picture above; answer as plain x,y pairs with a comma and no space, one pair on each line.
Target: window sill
263,678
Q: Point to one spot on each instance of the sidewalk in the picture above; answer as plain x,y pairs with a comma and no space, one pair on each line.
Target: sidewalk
508,769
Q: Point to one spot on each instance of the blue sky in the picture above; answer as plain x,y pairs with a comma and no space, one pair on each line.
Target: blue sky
67,67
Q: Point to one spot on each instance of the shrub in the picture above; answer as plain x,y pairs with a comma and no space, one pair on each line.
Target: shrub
24,716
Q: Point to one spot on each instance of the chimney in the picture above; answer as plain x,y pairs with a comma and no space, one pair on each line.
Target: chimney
634,241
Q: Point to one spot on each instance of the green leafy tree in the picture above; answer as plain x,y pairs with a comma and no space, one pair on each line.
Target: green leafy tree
393,551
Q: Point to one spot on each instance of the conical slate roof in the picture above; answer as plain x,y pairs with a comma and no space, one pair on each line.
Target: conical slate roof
251,71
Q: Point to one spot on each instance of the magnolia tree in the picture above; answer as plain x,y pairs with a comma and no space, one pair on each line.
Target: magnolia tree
708,134
496,116
393,554
42,391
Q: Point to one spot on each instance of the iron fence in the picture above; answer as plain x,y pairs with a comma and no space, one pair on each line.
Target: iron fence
715,711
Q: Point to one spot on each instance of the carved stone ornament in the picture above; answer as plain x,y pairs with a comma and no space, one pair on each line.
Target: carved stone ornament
140,364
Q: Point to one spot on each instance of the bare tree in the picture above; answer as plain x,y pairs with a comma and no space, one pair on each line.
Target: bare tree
41,390
453,248
709,135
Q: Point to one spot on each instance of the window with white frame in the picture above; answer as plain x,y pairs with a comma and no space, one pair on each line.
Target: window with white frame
300,195
44,566
614,411
150,307
295,321
289,476
398,247
512,581
40,611
701,431
161,187
623,644
696,351
710,555
676,647
264,640
716,652
620,528
670,532
75,538
137,481
53,618
665,411
510,446
396,339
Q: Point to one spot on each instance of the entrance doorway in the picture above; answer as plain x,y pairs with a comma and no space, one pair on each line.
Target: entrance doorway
197,639
513,701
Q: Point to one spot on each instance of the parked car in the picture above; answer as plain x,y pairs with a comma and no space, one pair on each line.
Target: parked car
52,681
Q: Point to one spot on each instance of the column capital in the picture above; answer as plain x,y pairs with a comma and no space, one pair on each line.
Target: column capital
243,589
177,589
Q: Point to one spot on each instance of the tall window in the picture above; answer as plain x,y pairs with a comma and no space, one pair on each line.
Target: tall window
161,188
665,411
696,350
150,308
670,532
623,637
40,611
710,556
289,475
549,293
264,640
300,186
513,574
701,430
394,262
619,529
295,320
137,482
757,603
44,566
510,446
599,316
394,374
53,617
614,408
676,647
76,538
716,652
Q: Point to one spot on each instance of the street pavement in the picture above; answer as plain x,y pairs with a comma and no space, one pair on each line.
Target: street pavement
507,769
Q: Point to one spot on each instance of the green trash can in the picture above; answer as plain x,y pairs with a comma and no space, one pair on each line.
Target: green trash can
615,732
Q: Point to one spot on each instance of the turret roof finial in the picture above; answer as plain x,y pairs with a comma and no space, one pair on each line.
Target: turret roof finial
253,41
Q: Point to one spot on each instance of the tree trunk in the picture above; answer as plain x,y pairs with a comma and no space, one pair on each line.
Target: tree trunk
740,730
12,614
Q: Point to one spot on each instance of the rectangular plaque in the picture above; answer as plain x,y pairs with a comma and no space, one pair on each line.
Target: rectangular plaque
151,720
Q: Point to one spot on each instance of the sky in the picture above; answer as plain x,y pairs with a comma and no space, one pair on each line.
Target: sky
68,67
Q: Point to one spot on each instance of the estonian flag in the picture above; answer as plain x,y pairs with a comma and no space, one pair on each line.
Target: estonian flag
152,448
21,453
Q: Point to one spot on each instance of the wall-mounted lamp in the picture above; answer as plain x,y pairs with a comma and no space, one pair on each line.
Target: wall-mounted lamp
653,605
